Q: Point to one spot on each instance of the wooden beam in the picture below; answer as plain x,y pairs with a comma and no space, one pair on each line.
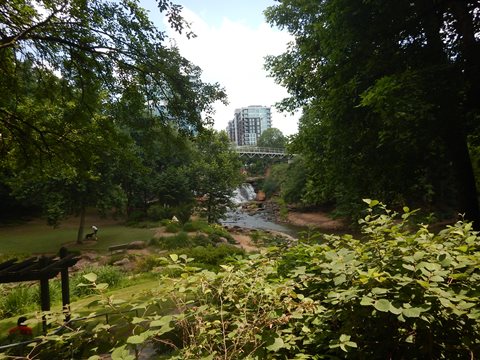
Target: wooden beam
19,265
65,285
44,296
7,263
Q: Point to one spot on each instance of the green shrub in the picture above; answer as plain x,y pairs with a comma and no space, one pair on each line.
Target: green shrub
180,240
201,240
397,292
136,216
215,232
172,227
270,187
197,225
183,212
24,298
210,257
110,275
147,263
18,300
159,212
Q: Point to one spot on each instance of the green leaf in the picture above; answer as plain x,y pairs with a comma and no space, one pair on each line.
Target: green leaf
366,301
137,320
339,279
419,255
277,344
408,267
174,257
227,268
122,353
394,310
136,339
162,321
382,305
101,286
94,357
92,277
379,291
412,312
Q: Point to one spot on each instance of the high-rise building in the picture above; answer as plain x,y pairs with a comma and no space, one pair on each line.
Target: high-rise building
248,124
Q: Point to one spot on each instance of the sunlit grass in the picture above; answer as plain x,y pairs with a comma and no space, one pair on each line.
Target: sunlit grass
37,237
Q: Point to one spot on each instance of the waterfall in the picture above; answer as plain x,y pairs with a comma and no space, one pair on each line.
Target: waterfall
244,193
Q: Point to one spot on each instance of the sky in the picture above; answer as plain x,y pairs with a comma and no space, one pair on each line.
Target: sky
232,40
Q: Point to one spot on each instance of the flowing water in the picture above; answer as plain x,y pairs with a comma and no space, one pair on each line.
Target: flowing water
243,194
259,220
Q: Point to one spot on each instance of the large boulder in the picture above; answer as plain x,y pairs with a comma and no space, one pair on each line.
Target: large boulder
137,245
261,196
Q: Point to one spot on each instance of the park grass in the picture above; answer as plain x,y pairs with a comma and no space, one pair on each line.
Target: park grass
83,307
36,237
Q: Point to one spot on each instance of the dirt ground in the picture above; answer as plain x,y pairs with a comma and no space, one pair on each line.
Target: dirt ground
319,220
245,242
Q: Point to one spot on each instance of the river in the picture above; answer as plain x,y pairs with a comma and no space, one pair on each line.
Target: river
258,220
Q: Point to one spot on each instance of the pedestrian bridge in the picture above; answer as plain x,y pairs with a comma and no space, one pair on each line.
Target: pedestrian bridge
261,152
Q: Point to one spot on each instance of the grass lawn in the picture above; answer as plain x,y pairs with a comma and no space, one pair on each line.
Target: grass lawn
36,236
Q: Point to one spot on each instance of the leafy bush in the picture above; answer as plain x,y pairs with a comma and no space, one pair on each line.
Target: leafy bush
270,187
191,226
179,240
184,212
211,257
159,212
396,293
110,275
23,298
17,300
216,232
172,227
399,292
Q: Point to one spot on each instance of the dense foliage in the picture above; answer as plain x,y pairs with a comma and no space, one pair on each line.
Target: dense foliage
272,138
389,93
399,291
97,110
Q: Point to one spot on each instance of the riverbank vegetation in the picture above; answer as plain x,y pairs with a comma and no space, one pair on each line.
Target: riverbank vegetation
399,291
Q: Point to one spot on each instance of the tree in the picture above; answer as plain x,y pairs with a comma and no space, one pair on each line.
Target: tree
272,138
64,66
387,108
216,174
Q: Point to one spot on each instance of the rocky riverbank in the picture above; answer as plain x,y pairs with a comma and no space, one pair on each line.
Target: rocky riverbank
314,219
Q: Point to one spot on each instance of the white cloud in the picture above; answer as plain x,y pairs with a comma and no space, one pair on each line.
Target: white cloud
233,55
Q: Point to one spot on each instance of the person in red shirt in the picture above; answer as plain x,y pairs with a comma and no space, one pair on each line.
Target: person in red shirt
21,329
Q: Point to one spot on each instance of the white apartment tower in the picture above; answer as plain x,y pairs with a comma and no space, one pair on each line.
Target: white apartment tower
248,124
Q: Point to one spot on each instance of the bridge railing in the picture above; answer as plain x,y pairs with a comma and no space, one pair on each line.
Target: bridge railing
255,151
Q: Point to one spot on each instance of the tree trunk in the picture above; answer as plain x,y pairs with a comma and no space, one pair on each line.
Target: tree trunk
467,189
82,224
452,119
470,54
